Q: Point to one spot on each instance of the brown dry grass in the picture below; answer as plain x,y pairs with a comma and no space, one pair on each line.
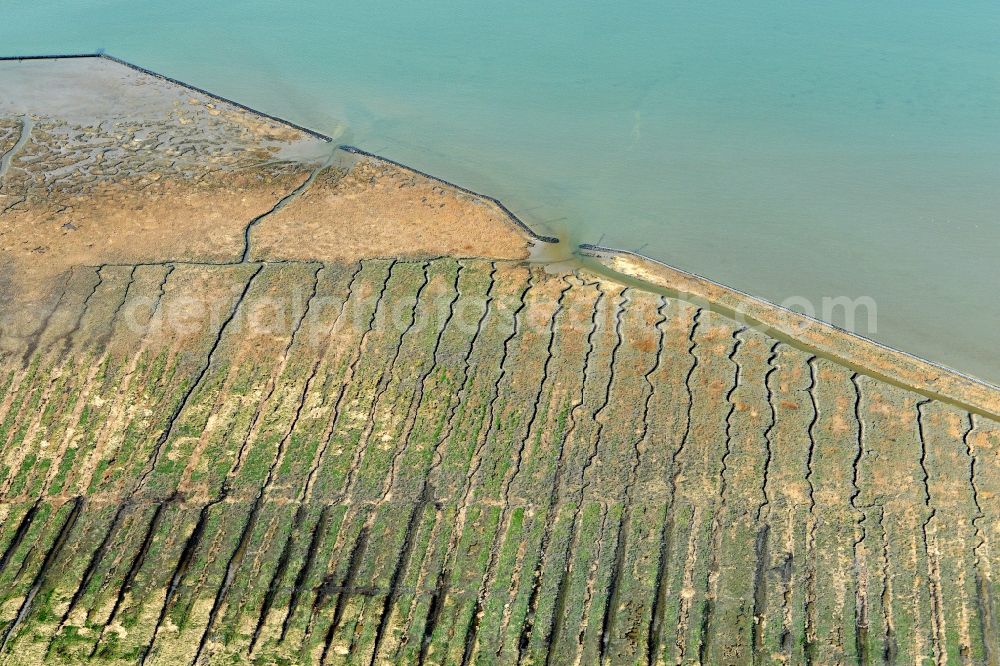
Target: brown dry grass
135,222
379,210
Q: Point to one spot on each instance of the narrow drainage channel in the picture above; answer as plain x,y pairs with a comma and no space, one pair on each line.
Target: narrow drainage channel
26,125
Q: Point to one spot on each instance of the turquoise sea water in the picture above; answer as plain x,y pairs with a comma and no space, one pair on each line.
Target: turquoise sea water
796,150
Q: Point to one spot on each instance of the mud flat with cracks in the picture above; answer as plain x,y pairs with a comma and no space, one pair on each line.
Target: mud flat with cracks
268,401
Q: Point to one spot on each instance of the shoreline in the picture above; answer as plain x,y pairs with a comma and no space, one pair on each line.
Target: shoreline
776,319
162,77
507,211
354,150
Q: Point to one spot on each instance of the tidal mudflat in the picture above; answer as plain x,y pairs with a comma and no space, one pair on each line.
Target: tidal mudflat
266,400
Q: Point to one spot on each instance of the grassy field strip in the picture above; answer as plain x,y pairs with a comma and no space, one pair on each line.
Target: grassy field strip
381,441
477,514
950,530
740,543
983,445
785,573
555,573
